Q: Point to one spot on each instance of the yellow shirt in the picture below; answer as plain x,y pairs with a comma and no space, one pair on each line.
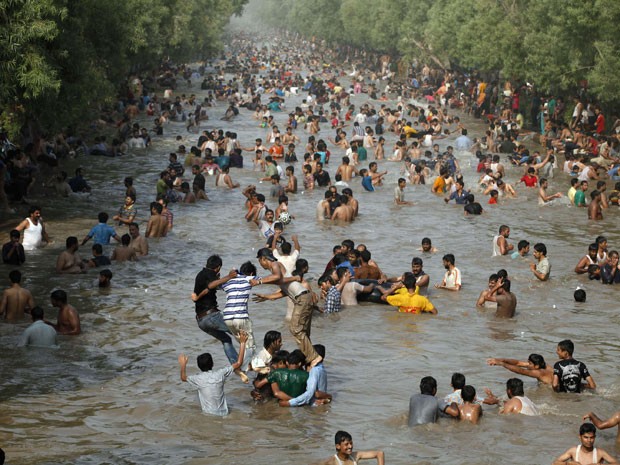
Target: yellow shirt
439,186
410,303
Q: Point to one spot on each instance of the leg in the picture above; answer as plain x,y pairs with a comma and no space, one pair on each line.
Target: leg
299,326
214,326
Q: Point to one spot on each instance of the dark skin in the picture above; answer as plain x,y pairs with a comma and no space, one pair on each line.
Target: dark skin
68,322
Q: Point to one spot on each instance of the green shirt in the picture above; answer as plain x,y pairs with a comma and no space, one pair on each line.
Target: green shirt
291,382
270,170
362,154
580,197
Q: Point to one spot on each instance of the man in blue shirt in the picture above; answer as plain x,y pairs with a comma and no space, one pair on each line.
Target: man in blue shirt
102,232
316,386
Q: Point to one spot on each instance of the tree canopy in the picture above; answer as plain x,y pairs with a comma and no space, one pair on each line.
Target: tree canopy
60,59
556,44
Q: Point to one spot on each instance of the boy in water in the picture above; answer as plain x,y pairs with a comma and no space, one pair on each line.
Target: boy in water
210,384
469,410
345,455
568,372
585,453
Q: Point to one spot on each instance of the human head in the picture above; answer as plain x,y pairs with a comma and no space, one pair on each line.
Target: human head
14,235
458,380
566,346
272,340
409,280
105,276
426,244
514,387
538,361
342,436
448,259
523,244
580,295
71,242
98,249
102,217
504,231
541,249
205,362
428,385
15,276
468,393
295,359
214,262
37,314
58,297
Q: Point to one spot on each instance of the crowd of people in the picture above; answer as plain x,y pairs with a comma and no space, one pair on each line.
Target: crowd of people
298,377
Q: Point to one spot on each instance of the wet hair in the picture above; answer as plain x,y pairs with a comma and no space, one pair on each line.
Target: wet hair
320,349
506,285
340,272
125,239
205,362
428,385
157,207
271,337
15,276
296,357
493,277
106,274
279,357
458,380
300,265
468,393
502,274
522,244
59,295
409,280
327,278
348,243
103,217
342,436
503,228
98,249
14,233
515,385
213,262
567,346
580,295
600,239
426,241
449,258
541,248
365,255
416,261
71,241
587,428
286,247
538,360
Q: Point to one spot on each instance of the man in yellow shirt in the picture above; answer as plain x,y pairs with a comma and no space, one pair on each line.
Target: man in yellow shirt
405,295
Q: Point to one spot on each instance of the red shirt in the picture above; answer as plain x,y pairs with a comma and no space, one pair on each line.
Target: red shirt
600,124
493,200
530,181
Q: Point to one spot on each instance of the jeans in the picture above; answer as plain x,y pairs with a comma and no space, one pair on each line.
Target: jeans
213,324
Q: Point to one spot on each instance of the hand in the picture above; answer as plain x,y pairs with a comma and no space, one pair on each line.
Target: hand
194,297
116,217
294,237
254,282
259,298
243,337
492,362
183,359
438,286
233,273
532,266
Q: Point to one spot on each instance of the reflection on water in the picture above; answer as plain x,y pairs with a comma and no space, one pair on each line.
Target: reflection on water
112,395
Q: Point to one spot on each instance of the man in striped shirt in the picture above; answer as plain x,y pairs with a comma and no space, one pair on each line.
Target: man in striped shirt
235,312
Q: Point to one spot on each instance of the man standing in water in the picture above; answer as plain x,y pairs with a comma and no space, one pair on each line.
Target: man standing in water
585,453
16,301
506,300
500,243
158,224
301,318
452,278
345,455
612,421
542,268
208,315
68,320
34,229
138,243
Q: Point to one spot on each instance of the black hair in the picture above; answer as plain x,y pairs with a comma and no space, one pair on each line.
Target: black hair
15,276
567,345
98,249
416,261
458,380
279,357
106,273
37,314
320,349
468,393
71,241
247,269
296,357
342,436
541,248
538,360
271,337
449,258
515,385
102,217
580,295
286,248
522,244
125,239
428,385
213,262
205,362
59,295
587,428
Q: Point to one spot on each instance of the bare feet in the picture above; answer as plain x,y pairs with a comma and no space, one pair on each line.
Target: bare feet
242,375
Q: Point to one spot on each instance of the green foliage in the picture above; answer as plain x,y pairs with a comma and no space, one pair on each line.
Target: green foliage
61,59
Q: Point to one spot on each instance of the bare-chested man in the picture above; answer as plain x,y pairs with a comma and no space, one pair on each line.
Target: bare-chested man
68,322
158,224
469,410
595,211
343,212
69,261
585,453
352,202
291,185
138,243
534,367
506,300
16,301
124,252
346,170
189,196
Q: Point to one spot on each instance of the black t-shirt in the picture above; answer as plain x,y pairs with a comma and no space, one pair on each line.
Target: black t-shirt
473,208
199,182
18,257
507,146
209,300
570,373
322,178
101,260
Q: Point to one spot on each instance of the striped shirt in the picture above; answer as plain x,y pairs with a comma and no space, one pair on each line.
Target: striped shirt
238,292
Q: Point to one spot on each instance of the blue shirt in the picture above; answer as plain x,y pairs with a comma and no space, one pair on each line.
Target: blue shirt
317,381
102,233
347,264
367,183
460,199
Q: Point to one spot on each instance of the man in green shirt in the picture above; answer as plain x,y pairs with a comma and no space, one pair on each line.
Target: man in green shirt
580,194
288,383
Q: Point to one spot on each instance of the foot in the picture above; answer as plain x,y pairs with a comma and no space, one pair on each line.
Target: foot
243,376
316,361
